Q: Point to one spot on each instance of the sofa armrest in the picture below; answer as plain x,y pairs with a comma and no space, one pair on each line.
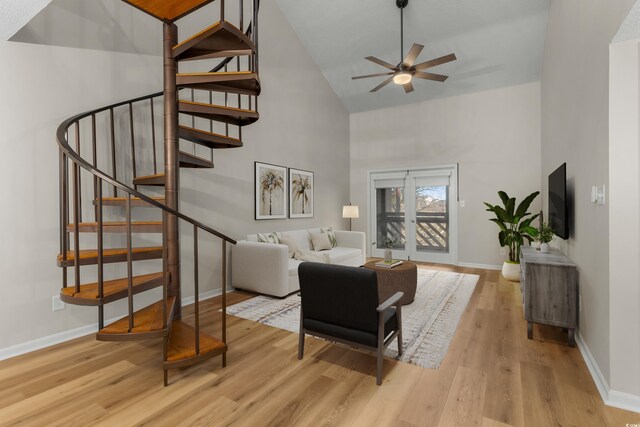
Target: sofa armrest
260,267
352,239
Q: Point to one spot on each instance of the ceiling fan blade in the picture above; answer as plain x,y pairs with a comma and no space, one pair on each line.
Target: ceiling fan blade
408,88
434,62
381,85
411,57
381,62
430,76
371,75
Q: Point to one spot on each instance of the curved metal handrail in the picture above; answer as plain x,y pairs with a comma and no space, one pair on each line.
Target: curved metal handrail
61,136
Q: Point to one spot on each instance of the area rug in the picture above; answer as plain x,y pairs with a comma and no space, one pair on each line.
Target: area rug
428,324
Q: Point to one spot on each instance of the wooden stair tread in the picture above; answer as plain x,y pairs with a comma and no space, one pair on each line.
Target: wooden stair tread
119,227
147,323
90,256
112,289
208,139
242,82
220,40
220,113
122,201
168,10
191,161
155,180
181,349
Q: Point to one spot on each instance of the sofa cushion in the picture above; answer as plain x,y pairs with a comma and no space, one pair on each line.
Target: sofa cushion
291,243
320,241
268,237
337,255
332,235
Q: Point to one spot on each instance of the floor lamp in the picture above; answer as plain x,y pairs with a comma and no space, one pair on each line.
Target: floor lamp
350,212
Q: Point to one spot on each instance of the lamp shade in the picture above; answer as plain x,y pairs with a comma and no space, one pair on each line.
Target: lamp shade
350,212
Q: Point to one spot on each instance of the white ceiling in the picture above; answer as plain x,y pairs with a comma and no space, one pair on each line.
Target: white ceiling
498,43
15,13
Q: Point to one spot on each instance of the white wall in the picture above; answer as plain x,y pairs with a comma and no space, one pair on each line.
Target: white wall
494,136
42,86
302,125
575,116
624,217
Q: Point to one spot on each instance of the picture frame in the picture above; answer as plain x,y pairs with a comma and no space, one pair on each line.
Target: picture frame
301,193
270,191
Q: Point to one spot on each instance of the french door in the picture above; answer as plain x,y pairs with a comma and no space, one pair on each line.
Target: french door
414,213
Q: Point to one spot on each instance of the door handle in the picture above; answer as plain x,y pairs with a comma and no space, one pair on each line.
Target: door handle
413,221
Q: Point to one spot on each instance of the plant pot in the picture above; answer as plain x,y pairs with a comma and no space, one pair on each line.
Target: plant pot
388,256
544,248
535,245
511,271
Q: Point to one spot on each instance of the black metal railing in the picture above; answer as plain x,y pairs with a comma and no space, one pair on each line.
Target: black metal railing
431,231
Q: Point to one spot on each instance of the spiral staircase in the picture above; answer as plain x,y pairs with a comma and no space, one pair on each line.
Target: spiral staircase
109,171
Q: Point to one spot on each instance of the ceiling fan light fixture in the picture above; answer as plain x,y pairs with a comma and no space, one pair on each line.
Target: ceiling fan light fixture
402,78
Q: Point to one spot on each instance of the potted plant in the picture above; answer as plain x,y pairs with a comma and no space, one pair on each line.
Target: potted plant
388,243
515,227
545,235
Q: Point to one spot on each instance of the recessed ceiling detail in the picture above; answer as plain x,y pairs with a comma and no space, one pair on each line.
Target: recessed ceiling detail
498,43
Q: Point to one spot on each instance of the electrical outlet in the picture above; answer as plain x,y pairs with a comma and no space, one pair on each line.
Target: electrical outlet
56,303
462,203
503,251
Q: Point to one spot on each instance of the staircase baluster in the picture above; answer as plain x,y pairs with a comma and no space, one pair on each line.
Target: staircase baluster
95,162
193,122
241,15
238,69
113,151
76,215
129,263
153,137
224,299
196,291
100,255
133,144
226,103
77,170
64,207
221,10
255,36
211,103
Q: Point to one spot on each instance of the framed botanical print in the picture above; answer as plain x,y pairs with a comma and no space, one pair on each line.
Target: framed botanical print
300,194
270,191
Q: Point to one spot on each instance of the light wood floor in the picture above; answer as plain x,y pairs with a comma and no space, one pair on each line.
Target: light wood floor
491,376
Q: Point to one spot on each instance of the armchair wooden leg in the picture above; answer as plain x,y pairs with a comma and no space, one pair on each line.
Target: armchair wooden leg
380,357
301,338
399,320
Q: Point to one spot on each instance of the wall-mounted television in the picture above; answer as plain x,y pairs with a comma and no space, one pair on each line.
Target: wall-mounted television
558,209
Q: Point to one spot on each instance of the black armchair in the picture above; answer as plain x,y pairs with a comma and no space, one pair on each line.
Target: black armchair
340,304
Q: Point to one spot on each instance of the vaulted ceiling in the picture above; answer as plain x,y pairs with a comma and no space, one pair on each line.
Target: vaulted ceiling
498,43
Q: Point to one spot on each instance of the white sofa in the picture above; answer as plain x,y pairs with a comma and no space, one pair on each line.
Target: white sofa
267,269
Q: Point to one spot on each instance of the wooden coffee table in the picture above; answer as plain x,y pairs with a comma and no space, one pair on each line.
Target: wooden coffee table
401,278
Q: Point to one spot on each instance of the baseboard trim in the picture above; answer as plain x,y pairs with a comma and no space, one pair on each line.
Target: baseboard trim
594,369
617,399
60,337
485,266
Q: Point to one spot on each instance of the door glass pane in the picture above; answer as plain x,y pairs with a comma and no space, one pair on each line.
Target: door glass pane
390,211
432,218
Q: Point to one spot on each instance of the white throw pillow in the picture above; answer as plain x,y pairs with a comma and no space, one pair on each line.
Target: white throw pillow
285,239
320,241
332,235
268,238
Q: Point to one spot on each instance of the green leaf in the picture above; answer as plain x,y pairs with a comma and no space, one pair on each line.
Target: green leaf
527,222
524,205
501,238
529,238
511,206
531,231
503,197
502,215
500,224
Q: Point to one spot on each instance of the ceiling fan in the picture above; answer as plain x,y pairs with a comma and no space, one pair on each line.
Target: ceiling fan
406,70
